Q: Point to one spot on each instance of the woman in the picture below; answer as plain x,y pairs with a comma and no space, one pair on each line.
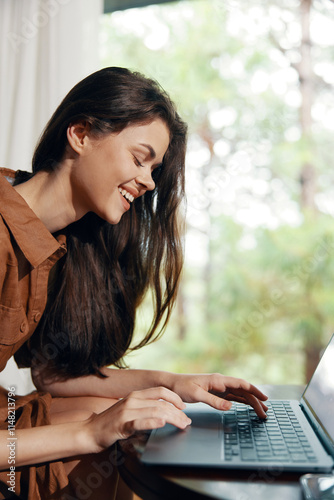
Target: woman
82,239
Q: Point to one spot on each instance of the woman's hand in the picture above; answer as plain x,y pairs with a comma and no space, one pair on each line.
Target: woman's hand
140,410
218,390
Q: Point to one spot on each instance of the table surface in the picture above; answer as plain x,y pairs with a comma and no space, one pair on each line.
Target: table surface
162,483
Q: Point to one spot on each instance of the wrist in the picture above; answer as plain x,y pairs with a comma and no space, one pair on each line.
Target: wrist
166,379
82,437
87,435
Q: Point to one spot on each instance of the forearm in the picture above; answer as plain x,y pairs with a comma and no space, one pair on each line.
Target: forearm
43,444
116,384
141,410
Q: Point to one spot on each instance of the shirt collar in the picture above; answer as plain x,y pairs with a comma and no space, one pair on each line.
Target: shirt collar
31,235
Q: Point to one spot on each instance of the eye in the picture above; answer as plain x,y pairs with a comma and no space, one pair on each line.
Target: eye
137,162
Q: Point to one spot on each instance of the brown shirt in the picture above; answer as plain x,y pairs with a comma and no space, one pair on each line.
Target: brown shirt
27,253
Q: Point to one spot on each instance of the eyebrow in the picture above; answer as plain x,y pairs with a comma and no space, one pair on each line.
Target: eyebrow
151,150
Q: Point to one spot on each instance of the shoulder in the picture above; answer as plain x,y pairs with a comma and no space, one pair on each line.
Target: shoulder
8,173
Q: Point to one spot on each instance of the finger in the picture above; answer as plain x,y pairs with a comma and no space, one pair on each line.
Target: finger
212,400
232,383
160,393
243,400
258,394
153,417
159,408
148,423
264,406
237,399
259,407
133,403
246,398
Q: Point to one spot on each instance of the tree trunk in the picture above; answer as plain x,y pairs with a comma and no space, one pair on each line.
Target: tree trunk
312,355
180,314
208,139
306,79
308,169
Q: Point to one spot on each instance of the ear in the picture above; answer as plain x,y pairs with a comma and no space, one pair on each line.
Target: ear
78,136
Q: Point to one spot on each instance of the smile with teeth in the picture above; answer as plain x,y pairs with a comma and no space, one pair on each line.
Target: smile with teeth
126,195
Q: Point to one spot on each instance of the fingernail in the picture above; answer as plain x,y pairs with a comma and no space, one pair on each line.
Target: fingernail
227,405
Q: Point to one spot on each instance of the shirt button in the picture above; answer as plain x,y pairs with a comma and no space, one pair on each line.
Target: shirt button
23,326
37,317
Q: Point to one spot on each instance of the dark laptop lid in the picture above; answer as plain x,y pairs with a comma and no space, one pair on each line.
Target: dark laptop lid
318,398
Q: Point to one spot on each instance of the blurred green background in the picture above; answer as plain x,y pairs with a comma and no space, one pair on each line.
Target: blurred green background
254,80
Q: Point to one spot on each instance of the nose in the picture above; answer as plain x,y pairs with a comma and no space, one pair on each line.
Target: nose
145,178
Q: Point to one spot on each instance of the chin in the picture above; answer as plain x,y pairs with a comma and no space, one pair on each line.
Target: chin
110,213
112,219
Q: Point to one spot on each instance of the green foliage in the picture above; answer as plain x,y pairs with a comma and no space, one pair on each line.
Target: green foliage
261,293
264,304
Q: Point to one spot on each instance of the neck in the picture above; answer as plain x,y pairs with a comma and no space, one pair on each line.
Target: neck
49,195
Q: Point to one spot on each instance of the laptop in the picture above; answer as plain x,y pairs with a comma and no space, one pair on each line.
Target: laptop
297,435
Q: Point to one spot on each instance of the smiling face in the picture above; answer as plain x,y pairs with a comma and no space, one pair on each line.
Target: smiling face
109,172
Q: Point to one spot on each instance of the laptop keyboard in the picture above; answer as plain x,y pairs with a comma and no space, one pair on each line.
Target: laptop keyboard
278,438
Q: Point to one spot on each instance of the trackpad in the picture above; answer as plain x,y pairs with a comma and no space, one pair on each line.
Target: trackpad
200,441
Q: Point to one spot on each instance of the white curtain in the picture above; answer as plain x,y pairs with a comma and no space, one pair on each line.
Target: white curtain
46,46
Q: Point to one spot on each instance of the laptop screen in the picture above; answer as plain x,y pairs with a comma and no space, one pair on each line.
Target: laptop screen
319,394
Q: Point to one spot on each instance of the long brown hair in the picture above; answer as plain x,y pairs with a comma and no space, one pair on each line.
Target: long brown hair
90,315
